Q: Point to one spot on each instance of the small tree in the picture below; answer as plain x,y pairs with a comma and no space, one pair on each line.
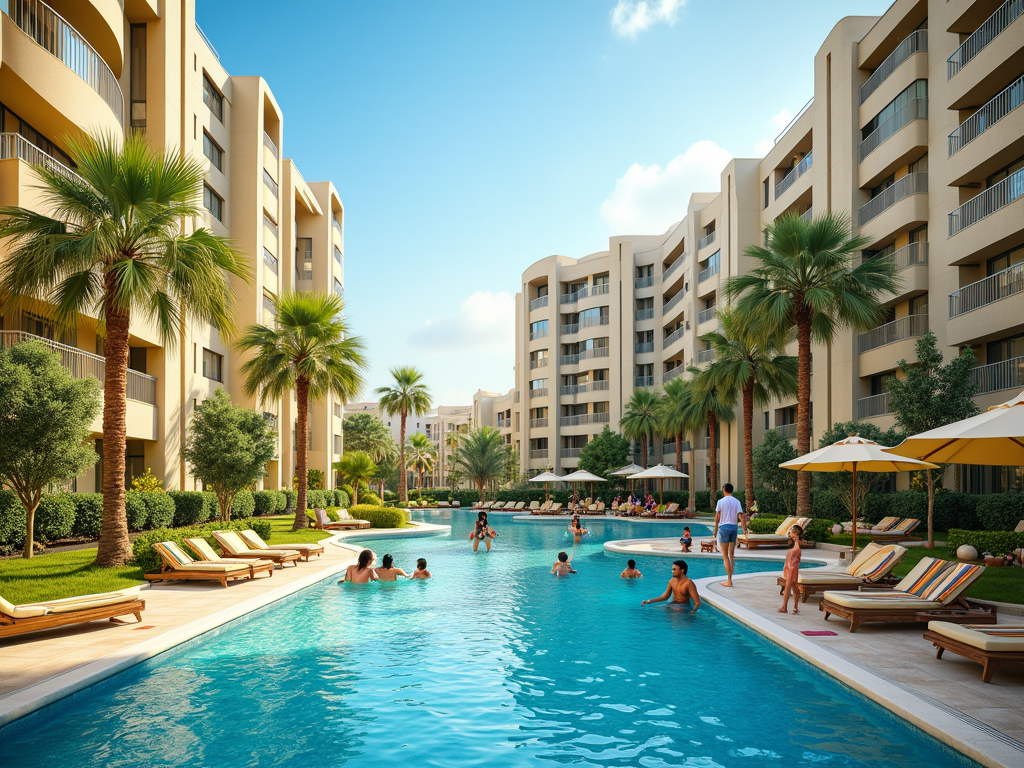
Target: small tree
147,483
356,468
45,423
228,448
774,450
604,454
482,457
930,395
841,483
365,432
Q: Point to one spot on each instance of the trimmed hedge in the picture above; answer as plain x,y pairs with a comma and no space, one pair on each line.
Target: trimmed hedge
996,542
12,522
770,502
136,511
280,501
380,517
264,503
147,558
370,499
191,507
55,517
1000,512
341,499
319,498
88,515
819,529
242,505
159,509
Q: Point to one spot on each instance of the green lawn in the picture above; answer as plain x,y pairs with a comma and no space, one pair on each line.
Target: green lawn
65,574
283,533
1005,585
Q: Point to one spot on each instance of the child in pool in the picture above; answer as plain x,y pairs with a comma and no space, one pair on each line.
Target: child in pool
562,566
631,572
421,571
791,571
686,541
577,529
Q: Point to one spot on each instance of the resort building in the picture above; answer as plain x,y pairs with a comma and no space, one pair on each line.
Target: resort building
101,66
913,130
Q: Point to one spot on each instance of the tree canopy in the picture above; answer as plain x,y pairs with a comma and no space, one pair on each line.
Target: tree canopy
365,432
773,450
481,457
605,453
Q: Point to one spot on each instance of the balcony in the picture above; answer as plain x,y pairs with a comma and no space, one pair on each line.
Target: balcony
795,120
673,302
336,225
16,146
673,337
1001,285
539,303
569,360
713,265
808,215
593,352
571,453
1005,15
705,355
671,374
596,386
583,418
572,298
908,256
669,446
600,289
914,42
539,334
640,349
644,314
786,430
270,261
673,268
539,453
909,327
787,181
915,109
875,405
541,363
542,392
568,329
988,202
705,316
591,322
538,424
911,184
995,110
270,184
705,241
1006,374
643,282
572,389
643,381
270,145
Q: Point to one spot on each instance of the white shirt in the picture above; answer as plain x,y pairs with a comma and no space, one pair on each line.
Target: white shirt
730,509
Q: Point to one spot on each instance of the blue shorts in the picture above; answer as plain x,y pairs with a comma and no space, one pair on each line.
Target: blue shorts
727,533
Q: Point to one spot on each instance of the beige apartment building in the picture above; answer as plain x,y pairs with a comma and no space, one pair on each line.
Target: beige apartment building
914,130
114,66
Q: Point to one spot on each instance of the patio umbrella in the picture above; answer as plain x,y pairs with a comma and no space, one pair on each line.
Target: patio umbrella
545,477
628,471
993,438
659,473
581,475
854,454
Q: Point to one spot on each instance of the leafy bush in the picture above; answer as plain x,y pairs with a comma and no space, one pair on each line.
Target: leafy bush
378,516
319,498
136,511
264,503
877,506
88,515
819,529
770,502
243,505
159,509
147,483
996,542
289,496
12,522
147,558
190,507
388,495
341,499
827,503
55,517
1001,511
280,501
371,499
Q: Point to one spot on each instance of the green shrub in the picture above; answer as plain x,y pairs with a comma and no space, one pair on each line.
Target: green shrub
136,511
159,509
702,500
88,515
147,558
819,529
55,517
289,496
388,495
996,542
765,523
280,501
1001,511
12,522
770,502
378,516
828,504
190,507
243,505
264,503
877,506
371,499
341,499
319,498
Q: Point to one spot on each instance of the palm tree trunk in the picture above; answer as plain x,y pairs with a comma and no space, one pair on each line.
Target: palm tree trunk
114,547
691,501
930,544
301,452
643,444
403,480
713,456
679,451
803,412
748,441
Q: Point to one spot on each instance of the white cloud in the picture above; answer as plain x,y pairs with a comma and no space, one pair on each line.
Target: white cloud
775,124
630,17
482,324
647,199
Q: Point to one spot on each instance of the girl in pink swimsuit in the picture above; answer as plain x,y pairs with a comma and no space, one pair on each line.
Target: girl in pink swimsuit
791,571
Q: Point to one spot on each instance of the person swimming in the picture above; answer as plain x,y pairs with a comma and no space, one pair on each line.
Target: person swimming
482,531
631,572
388,572
421,571
680,588
577,529
362,572
562,566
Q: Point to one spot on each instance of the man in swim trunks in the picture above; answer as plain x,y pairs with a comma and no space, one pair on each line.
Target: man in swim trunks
562,566
680,588
728,518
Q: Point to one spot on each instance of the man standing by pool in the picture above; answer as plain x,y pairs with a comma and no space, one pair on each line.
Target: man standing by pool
728,518
680,588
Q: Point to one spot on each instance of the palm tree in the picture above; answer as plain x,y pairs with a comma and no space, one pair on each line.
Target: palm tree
482,456
408,395
758,367
356,467
711,403
806,279
640,420
115,250
310,351
451,442
421,454
678,419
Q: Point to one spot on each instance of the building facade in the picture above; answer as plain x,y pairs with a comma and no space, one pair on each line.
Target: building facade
103,66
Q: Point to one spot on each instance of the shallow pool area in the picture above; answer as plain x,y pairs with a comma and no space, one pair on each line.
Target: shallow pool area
493,662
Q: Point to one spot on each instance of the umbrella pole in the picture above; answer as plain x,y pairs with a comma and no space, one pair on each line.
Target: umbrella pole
661,491
854,505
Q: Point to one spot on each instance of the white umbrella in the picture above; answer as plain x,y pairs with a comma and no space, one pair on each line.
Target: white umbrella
628,471
581,475
854,454
546,477
659,473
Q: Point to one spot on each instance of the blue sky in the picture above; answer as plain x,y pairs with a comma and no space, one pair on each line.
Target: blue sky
469,139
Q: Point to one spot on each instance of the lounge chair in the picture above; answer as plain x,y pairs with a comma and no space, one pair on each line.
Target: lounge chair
778,539
202,549
1019,528
600,508
234,547
543,509
255,541
456,505
870,566
932,586
29,617
899,532
671,510
991,645
556,508
880,527
534,506
177,565
520,505
323,523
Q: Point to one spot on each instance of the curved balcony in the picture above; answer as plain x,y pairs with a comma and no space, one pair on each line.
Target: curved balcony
705,316
915,109
643,282
673,270
995,110
978,69
707,240
911,184
1007,374
1001,285
644,314
909,327
643,381
993,26
993,199
787,181
705,355
643,347
539,303
911,265
875,405
679,370
914,42
673,303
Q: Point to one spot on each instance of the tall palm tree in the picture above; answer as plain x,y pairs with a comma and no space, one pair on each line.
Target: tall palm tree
420,453
806,277
711,403
641,419
356,467
678,419
756,365
309,350
481,455
408,395
115,249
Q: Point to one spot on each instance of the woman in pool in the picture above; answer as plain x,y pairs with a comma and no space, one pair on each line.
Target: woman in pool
482,532
576,529
362,572
388,572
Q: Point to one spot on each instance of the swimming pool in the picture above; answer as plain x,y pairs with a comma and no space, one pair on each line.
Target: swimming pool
493,662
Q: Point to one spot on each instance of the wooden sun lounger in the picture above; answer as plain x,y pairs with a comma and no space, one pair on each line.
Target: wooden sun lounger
254,540
324,523
177,565
871,568
202,549
234,546
993,646
21,619
899,532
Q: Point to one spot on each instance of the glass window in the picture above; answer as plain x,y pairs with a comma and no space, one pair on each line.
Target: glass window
539,384
213,365
304,258
337,255
213,202
138,76
1009,170
213,152
917,90
541,326
1005,349
213,98
1004,261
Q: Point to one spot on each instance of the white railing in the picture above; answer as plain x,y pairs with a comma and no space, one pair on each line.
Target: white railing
792,122
599,289
673,337
14,145
538,453
537,423
908,256
269,144
337,226
538,334
207,41
85,365
591,321
786,430
644,314
539,303
572,298
647,346
643,282
912,43
875,405
705,355
988,202
705,316
569,328
808,215
707,240
911,184
983,35
542,363
1009,282
673,267
571,453
915,109
268,180
909,327
673,302
787,181
52,33
543,392
671,374
643,381
270,260
586,354
998,107
712,268
1006,374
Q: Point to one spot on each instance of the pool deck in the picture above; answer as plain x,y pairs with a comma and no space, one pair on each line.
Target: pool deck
889,663
40,668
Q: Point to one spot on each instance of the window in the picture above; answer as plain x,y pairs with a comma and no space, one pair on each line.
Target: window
304,258
539,384
878,382
213,365
920,165
538,329
1006,172
917,90
338,288
213,152
766,198
766,421
338,445
138,76
213,98
1005,349
886,183
542,290
1004,261
213,202
919,305
337,256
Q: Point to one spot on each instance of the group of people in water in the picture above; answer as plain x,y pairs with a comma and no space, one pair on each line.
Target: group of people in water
363,571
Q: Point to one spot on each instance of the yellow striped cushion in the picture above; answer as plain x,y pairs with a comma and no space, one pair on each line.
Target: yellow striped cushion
929,578
907,525
953,583
862,557
172,553
878,569
202,548
870,563
886,523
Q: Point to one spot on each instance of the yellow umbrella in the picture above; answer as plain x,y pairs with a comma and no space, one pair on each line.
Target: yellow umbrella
855,454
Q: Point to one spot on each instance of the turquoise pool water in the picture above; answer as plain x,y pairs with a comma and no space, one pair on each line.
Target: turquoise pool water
492,663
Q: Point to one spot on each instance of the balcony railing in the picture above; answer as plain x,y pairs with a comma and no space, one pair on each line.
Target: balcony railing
707,240
647,346
583,418
808,214
572,389
538,423
85,365
673,267
988,202
541,363
1006,374
270,260
705,355
337,226
908,256
1009,282
643,381
643,282
269,144
203,36
915,109
909,327
711,270
599,385
269,224
786,430
644,314
998,107
1005,15
669,446
543,392
599,289
592,321
793,122
540,334
673,302
586,354
539,303
572,298
705,316
51,32
270,183
911,184
875,405
539,453
912,43
569,359
571,453
787,181
14,145
673,337
671,374
569,328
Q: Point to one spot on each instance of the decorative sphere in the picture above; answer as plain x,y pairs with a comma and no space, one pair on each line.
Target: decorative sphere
837,529
966,552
